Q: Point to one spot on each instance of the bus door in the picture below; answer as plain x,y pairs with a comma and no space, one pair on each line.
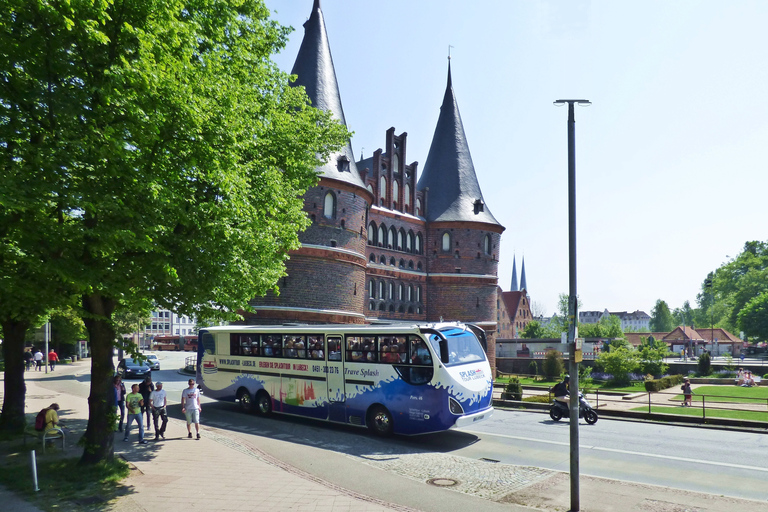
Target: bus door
335,378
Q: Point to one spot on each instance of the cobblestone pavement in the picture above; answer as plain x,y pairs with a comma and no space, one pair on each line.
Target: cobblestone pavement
483,479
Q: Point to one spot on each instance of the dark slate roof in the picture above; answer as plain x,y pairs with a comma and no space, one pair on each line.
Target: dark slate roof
523,283
513,286
315,71
449,173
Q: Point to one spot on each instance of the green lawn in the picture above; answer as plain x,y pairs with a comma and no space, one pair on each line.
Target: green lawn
602,386
730,394
711,413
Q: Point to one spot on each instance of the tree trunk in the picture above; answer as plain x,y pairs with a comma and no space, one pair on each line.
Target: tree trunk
14,332
99,435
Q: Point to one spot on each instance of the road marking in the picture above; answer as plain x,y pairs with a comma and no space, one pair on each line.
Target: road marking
627,452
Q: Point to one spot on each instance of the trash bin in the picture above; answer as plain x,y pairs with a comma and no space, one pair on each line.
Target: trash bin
73,359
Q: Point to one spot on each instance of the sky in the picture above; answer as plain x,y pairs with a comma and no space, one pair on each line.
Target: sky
671,172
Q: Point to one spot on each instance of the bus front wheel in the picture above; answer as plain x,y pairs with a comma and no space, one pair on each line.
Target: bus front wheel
244,398
263,403
380,421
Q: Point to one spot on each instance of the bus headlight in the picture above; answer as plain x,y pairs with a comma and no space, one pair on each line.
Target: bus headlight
455,406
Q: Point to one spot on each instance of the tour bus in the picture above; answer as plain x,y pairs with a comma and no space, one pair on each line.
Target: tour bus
392,378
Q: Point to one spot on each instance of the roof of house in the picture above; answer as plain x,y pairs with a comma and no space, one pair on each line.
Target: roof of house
449,174
315,72
512,302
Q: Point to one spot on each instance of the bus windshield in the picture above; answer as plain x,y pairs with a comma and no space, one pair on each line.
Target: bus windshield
463,346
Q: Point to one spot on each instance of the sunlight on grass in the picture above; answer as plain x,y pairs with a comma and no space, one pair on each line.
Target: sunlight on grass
711,413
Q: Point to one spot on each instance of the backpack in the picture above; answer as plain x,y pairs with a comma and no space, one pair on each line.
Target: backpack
40,420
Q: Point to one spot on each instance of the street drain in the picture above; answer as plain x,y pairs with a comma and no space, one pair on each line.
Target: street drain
488,460
442,482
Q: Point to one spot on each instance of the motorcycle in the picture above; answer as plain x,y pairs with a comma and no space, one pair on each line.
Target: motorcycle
559,410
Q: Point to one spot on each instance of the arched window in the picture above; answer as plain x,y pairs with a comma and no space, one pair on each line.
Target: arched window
381,289
402,263
418,294
392,237
401,309
370,188
395,190
372,259
383,260
406,196
417,244
410,293
395,163
410,309
371,234
392,308
392,261
487,244
410,264
400,240
383,188
409,242
371,289
329,206
372,306
382,240
400,291
391,290
418,206
418,266
446,241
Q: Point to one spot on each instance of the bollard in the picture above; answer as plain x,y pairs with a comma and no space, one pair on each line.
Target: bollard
34,471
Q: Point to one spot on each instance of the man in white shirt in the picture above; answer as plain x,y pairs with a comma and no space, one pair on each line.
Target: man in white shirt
190,406
158,401
38,361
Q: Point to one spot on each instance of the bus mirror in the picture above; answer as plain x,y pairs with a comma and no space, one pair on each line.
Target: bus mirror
444,351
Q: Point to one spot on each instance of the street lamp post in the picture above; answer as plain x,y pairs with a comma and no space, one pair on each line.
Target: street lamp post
573,318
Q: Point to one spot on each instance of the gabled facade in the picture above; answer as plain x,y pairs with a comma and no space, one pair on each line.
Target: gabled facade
514,313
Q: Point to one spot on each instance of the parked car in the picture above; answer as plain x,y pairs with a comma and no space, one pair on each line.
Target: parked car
152,361
129,367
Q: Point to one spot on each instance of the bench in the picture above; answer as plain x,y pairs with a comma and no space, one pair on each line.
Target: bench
50,435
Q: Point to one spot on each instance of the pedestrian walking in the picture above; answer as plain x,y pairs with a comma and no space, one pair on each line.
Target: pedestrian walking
38,361
52,359
190,406
687,392
117,382
134,403
146,388
158,401
28,358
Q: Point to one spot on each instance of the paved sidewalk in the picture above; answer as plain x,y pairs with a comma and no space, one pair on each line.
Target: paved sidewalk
226,471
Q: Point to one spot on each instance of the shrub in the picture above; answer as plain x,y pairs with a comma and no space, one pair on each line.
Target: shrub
553,364
705,364
542,399
513,390
619,362
665,382
533,368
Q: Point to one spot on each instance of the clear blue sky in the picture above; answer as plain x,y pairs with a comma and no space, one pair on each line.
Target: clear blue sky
670,159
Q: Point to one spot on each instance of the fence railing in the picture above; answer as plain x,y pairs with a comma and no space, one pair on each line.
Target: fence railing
190,364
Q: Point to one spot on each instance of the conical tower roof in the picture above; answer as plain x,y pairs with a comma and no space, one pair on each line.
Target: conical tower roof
513,287
454,193
315,71
523,284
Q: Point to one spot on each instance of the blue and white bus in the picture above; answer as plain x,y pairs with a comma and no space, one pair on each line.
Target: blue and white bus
392,378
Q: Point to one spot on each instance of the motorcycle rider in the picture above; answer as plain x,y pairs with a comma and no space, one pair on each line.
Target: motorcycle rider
561,391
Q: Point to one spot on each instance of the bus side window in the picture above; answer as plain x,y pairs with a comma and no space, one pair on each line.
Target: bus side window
355,349
234,344
419,352
334,351
270,345
369,349
315,347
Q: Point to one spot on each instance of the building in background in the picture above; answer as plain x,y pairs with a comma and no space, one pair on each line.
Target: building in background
636,321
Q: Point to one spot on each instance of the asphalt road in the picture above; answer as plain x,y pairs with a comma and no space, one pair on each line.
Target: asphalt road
719,462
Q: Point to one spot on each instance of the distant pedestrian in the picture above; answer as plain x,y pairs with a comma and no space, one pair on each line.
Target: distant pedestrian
146,388
158,401
190,406
38,361
742,357
687,392
28,358
134,402
117,383
52,359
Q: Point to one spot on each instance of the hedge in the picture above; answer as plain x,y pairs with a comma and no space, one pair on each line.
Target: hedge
663,383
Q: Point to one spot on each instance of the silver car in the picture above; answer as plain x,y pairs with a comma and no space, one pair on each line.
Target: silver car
152,361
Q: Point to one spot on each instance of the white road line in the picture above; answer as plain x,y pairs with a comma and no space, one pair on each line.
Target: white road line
627,452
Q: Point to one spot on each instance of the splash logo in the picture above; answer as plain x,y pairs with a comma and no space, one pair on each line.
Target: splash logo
472,375
209,367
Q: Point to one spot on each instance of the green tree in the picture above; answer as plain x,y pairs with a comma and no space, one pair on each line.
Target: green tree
651,354
607,327
661,318
753,317
67,328
552,367
704,364
153,151
684,315
620,361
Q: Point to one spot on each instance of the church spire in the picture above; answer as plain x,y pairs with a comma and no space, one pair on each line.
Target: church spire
513,287
315,72
454,193
523,284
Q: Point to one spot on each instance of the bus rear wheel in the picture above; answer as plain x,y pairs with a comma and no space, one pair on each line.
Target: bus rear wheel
263,403
244,398
380,421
